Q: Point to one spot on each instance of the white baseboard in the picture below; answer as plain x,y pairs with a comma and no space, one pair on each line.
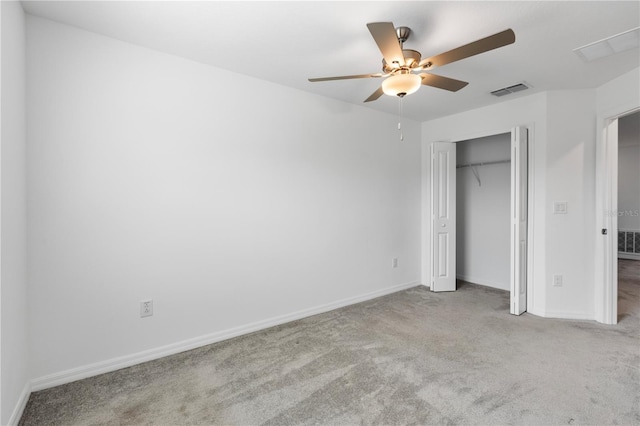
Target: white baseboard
20,406
570,315
114,364
481,281
629,256
535,312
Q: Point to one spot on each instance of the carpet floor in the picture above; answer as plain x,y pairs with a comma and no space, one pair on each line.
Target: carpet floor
413,357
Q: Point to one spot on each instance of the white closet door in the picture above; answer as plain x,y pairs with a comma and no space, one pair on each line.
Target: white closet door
519,195
443,216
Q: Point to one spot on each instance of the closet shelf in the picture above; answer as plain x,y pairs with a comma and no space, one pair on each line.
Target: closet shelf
485,163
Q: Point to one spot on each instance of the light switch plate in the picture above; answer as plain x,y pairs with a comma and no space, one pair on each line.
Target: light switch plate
557,280
560,207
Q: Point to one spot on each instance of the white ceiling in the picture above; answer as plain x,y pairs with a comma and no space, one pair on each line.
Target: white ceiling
288,42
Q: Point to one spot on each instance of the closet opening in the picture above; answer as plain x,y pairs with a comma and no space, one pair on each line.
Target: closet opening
483,201
494,220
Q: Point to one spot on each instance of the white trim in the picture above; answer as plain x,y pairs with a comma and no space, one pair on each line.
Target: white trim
628,256
531,205
114,364
531,218
20,405
482,134
536,312
611,223
483,282
605,273
569,315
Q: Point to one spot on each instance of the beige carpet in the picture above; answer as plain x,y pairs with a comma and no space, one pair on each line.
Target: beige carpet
414,357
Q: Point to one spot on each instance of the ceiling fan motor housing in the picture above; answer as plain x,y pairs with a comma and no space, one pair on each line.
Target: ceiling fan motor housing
411,59
403,33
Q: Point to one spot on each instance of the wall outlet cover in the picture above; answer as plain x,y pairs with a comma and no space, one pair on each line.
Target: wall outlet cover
146,308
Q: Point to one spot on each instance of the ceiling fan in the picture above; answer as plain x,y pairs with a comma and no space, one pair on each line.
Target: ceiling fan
399,65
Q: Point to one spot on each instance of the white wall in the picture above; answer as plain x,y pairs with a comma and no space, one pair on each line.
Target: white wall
562,159
229,201
151,176
629,172
618,96
529,111
14,373
483,234
562,164
570,170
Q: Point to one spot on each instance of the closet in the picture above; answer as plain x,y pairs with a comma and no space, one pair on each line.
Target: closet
483,197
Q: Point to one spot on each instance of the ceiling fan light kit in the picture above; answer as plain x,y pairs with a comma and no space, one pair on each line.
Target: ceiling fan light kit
401,84
399,64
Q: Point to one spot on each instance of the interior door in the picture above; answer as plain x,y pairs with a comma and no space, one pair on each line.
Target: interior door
519,195
443,216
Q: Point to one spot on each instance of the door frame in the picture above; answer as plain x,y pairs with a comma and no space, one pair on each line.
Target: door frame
606,255
530,200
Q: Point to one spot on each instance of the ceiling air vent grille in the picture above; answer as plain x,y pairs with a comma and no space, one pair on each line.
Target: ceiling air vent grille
511,89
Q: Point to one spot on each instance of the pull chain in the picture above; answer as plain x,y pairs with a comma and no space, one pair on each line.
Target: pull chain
399,119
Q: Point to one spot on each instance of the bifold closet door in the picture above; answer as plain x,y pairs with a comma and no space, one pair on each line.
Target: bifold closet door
519,195
443,216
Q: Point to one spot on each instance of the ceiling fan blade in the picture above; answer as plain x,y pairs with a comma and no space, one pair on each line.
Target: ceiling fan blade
441,82
346,77
375,95
386,38
474,48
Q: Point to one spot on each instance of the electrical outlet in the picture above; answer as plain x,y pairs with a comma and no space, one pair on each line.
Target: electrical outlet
557,280
394,262
146,308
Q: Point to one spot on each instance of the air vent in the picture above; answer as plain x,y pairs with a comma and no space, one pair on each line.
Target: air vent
511,89
610,46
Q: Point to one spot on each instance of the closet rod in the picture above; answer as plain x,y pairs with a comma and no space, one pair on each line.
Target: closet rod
486,163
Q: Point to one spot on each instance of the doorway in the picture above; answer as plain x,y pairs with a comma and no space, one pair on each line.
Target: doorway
628,231
483,211
444,212
615,217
